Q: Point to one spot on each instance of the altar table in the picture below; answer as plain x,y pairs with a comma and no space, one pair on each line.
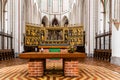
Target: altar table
36,64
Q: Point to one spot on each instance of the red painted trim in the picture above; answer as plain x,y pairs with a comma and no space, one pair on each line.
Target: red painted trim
32,6
31,11
18,25
47,6
89,27
102,2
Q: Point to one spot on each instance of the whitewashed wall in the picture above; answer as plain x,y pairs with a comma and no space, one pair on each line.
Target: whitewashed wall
0,15
115,33
0,22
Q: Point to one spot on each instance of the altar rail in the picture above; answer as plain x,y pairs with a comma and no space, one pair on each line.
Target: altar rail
6,39
103,49
6,54
102,54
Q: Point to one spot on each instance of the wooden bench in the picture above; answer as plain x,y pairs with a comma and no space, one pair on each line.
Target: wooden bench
102,54
6,54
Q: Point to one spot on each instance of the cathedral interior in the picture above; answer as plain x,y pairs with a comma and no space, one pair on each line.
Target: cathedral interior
59,39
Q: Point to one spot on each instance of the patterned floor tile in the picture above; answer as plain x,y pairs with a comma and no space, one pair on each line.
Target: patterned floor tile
87,72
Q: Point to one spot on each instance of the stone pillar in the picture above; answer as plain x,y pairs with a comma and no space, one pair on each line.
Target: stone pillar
0,23
71,68
89,26
115,59
115,46
35,68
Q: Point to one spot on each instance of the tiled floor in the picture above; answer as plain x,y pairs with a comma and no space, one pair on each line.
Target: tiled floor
101,63
90,69
88,61
12,62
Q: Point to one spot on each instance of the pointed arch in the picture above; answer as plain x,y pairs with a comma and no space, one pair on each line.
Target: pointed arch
55,21
45,21
65,21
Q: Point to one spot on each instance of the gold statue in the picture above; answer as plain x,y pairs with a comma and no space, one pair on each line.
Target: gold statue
43,38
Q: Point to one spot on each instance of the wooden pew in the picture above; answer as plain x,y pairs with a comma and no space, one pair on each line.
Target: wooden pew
6,54
102,54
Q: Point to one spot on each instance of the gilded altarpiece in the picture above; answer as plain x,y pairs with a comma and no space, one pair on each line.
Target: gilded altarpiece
50,36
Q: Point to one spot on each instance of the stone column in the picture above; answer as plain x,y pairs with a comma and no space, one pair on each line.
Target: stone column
115,46
115,59
0,23
89,25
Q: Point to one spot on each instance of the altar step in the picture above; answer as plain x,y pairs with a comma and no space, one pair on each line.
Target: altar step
87,72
